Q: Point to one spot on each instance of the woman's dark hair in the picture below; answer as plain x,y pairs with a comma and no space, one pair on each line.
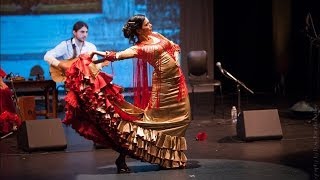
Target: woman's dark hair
130,28
78,25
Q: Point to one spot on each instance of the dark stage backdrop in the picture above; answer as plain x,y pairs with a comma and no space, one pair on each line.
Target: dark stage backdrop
304,75
243,42
247,38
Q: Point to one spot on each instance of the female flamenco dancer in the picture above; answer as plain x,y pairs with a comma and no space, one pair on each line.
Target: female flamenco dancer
151,129
9,120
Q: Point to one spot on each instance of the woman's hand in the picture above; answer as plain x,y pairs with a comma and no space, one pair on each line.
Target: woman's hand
2,84
110,56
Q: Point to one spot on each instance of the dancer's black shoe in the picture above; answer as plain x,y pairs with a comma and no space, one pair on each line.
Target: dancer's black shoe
122,167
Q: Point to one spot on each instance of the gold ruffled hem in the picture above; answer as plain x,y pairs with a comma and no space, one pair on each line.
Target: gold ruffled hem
152,146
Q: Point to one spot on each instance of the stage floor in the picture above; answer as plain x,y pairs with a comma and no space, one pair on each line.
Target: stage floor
221,156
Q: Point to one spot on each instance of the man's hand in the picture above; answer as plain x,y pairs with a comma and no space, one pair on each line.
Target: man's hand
105,63
91,54
94,70
63,66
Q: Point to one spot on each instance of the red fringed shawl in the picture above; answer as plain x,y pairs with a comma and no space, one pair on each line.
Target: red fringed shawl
141,92
140,80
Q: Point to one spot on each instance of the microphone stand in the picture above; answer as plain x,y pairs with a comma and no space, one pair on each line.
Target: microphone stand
239,83
314,40
15,98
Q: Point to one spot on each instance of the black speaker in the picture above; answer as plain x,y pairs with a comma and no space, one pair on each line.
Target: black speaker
46,134
259,125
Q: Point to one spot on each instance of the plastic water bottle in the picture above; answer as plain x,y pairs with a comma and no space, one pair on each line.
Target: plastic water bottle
234,114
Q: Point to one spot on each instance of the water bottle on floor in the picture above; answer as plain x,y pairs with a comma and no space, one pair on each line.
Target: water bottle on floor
234,114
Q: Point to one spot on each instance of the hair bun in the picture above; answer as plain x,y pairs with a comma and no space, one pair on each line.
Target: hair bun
131,27
127,32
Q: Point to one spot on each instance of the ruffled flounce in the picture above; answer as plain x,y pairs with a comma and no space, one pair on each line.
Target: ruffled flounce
152,146
9,122
93,108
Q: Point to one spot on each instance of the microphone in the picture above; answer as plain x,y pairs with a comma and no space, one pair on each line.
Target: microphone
219,66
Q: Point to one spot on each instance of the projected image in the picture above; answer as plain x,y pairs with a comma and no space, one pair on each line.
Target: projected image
43,32
23,7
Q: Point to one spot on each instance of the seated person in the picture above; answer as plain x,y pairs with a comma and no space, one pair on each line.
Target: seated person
9,120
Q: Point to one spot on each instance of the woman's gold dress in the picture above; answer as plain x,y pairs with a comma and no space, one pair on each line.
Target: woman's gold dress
98,111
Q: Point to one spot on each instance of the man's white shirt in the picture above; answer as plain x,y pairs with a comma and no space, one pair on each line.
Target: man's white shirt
64,50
